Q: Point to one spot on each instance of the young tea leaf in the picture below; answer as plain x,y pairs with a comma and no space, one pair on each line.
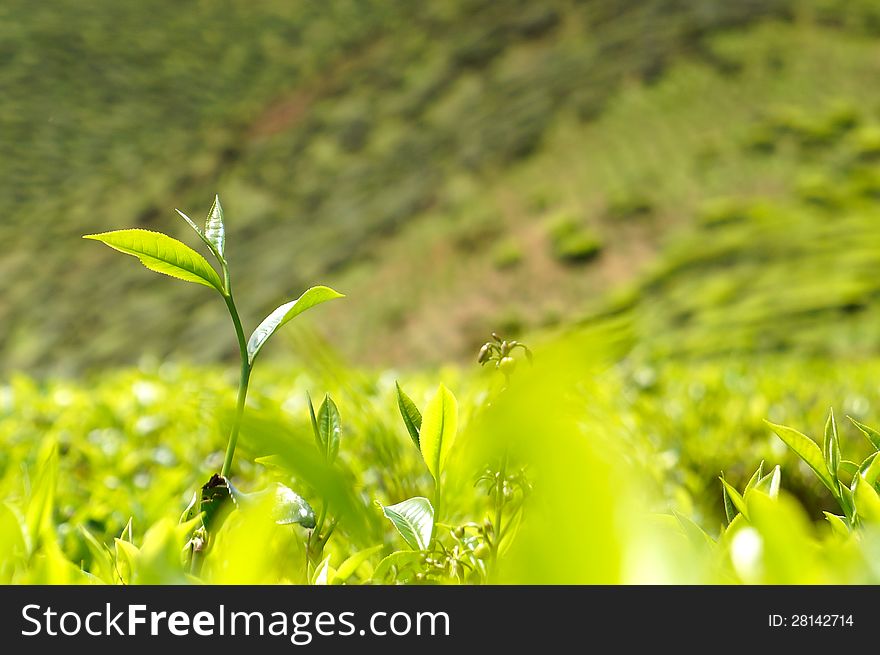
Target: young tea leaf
770,483
730,511
848,468
329,429
439,429
831,446
412,417
870,433
756,476
284,314
838,524
314,421
201,234
867,501
870,469
215,231
807,450
414,520
738,502
160,253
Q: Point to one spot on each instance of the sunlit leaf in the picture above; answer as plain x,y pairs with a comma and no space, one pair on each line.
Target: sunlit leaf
215,230
412,417
808,451
160,253
439,429
831,446
870,433
735,498
284,314
838,524
414,520
757,475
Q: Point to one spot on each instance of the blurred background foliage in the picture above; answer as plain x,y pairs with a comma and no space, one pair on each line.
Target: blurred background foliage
700,179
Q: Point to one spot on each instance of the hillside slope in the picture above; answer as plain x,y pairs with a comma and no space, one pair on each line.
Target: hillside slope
443,166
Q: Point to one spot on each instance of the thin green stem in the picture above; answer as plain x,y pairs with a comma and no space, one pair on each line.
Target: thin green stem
242,384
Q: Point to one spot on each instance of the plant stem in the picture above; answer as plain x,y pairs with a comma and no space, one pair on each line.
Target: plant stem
242,384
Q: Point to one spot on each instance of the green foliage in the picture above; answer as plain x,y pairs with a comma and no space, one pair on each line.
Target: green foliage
572,242
162,254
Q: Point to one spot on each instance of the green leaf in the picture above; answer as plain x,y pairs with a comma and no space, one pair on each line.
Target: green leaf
870,469
756,476
770,483
192,510
288,507
846,500
738,502
867,501
414,520
329,429
872,435
848,468
838,524
353,563
695,534
807,450
439,429
201,234
730,510
324,573
284,314
412,417
314,421
160,253
399,562
215,231
831,446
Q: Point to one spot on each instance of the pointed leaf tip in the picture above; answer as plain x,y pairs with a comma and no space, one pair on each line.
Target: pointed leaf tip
215,229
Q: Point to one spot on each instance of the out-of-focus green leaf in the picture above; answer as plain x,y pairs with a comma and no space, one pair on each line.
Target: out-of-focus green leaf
163,254
695,534
412,417
350,566
286,313
730,510
870,469
867,501
770,483
807,450
439,429
838,524
414,520
323,573
38,516
400,564
870,433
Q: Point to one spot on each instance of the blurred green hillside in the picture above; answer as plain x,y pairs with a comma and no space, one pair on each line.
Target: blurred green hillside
694,165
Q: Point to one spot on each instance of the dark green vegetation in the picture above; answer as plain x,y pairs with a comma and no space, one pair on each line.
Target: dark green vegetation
355,140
